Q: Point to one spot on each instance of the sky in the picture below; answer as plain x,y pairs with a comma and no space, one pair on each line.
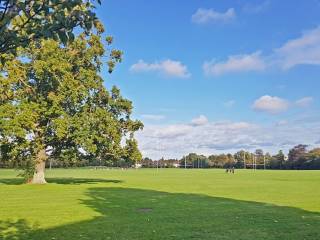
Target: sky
218,76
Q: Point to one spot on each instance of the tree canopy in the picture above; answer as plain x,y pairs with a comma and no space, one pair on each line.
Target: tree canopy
53,104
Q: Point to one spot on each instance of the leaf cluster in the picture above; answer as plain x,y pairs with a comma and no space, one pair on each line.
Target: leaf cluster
23,21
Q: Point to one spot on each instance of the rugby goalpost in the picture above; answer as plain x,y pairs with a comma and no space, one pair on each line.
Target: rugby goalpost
253,162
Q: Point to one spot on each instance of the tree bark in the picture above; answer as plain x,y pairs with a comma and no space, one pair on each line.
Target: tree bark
38,176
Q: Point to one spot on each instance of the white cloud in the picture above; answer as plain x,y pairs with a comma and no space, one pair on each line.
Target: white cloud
304,102
275,105
226,136
178,139
153,117
167,67
203,15
269,104
201,120
229,103
167,132
255,9
302,50
234,64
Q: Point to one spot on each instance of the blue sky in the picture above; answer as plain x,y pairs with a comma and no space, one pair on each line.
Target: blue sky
218,76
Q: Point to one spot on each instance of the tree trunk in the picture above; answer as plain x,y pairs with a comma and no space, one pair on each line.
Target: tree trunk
38,176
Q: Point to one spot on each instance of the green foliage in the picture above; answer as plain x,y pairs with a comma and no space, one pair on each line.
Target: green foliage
53,98
22,22
132,153
277,161
194,160
221,160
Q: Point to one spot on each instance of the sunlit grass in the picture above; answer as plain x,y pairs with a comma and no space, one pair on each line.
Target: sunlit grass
161,204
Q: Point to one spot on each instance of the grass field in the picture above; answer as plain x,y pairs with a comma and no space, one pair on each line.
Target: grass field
163,204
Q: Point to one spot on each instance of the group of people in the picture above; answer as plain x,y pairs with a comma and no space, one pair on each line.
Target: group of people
230,170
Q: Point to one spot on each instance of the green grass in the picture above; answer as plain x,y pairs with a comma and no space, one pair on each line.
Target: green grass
163,204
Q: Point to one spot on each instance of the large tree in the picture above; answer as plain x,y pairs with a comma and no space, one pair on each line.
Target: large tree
53,104
23,21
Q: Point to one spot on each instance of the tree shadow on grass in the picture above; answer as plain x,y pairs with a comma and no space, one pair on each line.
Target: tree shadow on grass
71,181
144,214
77,181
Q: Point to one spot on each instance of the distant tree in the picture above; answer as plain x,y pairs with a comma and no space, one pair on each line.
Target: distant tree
297,152
212,161
172,163
195,160
277,161
314,153
230,160
297,156
313,159
222,160
259,152
161,162
280,156
242,157
188,159
147,162
267,158
239,158
259,156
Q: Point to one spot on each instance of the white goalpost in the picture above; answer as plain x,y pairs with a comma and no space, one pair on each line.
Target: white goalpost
253,163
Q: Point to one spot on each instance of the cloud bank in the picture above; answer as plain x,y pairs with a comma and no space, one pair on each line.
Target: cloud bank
175,140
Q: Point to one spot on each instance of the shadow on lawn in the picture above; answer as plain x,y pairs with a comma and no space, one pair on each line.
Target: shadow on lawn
130,214
72,181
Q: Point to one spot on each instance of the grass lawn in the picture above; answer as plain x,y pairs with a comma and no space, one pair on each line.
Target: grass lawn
163,204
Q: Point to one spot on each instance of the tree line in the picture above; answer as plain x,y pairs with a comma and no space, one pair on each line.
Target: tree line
299,157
